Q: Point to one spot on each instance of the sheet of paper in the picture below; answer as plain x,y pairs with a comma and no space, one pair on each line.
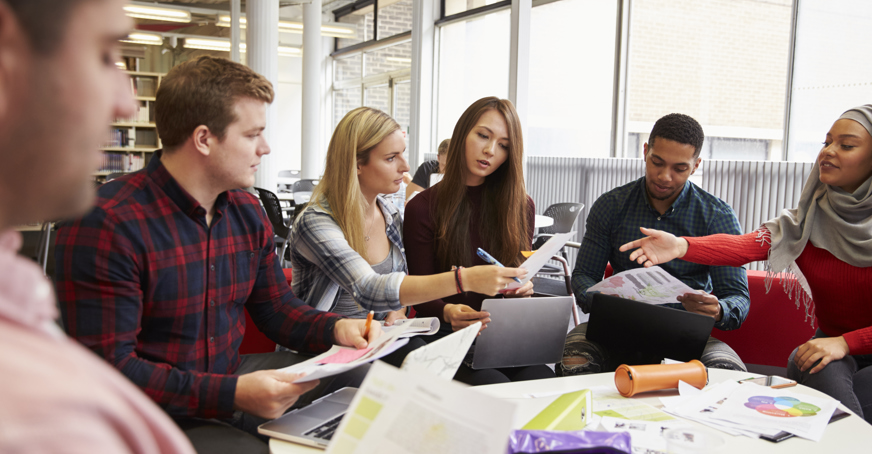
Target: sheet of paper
541,257
648,285
416,326
702,407
315,368
761,406
607,401
444,356
344,356
400,412
647,436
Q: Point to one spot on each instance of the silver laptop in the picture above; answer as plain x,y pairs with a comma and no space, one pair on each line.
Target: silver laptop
315,424
523,332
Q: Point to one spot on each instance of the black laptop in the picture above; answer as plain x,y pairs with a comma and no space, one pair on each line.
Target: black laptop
641,333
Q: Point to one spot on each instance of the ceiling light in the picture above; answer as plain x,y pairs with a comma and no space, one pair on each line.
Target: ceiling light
144,38
334,30
208,44
120,65
156,13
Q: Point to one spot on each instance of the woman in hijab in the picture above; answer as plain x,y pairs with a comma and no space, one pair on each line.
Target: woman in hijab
826,243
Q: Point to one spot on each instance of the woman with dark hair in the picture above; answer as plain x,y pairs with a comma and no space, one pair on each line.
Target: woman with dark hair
480,202
826,244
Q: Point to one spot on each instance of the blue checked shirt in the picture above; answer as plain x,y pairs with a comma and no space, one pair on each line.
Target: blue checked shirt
615,219
324,263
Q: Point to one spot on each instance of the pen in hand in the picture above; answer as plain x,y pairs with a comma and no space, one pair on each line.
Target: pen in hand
368,324
488,258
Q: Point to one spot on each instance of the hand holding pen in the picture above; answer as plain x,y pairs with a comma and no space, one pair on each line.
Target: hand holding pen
489,259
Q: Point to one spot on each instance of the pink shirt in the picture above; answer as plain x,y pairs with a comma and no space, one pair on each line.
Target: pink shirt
56,396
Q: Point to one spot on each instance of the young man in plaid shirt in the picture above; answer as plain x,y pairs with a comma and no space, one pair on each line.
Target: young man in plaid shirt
156,279
662,199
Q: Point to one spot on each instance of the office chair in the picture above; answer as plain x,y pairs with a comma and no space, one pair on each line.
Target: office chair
273,210
302,191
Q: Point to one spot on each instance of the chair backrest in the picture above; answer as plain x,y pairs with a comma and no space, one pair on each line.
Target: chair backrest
302,191
287,178
564,215
273,209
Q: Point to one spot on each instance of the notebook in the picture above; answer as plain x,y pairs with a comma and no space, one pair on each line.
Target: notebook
315,424
523,332
641,333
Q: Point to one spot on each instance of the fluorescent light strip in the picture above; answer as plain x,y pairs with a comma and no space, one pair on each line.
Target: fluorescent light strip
334,30
401,60
224,46
161,14
144,38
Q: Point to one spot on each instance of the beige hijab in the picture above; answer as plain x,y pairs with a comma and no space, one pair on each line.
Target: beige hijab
830,218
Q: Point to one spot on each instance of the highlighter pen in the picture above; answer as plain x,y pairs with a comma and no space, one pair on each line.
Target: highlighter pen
487,258
368,324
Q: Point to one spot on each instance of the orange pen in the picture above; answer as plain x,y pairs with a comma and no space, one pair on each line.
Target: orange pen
368,324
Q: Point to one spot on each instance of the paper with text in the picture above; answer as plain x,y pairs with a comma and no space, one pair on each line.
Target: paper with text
400,412
648,285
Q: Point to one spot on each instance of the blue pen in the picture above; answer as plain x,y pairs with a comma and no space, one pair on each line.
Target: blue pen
487,258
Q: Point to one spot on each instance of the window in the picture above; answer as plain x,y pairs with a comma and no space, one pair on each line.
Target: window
394,17
724,63
473,63
831,71
572,55
459,6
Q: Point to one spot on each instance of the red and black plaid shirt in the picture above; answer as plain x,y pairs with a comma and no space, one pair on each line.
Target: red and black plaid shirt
149,286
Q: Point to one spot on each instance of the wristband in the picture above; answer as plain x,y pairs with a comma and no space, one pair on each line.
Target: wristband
458,280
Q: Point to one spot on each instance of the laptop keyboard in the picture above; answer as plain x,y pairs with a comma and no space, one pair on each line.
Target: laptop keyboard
325,431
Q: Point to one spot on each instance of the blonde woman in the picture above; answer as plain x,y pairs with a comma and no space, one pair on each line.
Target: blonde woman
347,247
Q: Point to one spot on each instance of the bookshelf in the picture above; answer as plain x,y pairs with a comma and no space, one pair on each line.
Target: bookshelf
132,141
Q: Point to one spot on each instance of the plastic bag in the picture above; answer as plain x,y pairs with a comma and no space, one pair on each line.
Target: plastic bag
588,442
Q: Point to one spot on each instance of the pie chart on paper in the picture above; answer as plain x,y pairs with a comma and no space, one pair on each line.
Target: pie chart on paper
781,407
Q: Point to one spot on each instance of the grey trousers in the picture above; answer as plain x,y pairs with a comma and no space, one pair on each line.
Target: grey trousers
582,356
239,433
848,380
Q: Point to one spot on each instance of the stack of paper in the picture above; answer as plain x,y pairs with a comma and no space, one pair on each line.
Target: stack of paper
751,410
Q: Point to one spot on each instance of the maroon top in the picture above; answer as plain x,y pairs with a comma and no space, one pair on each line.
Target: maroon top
419,238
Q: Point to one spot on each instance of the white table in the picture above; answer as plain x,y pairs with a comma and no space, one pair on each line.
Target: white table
543,221
851,434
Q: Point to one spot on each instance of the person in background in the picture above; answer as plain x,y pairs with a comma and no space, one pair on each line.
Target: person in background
421,181
665,198
347,245
481,202
157,278
61,89
826,243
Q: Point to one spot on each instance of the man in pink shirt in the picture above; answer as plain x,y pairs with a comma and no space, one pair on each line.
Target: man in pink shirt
59,89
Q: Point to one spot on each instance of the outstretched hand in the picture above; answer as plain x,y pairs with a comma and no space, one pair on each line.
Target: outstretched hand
656,248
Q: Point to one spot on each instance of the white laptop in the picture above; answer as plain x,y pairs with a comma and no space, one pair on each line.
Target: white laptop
315,424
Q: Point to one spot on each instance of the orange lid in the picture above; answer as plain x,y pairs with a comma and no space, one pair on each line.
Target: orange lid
624,380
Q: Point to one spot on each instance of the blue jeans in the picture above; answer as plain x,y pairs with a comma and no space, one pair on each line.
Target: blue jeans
582,356
848,380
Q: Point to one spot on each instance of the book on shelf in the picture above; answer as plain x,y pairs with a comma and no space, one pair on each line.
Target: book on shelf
121,162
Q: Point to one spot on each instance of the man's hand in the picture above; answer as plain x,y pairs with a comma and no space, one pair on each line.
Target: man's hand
269,393
702,303
825,349
460,316
523,291
348,332
393,316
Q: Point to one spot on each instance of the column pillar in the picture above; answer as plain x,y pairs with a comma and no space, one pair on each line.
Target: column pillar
262,53
311,153
235,39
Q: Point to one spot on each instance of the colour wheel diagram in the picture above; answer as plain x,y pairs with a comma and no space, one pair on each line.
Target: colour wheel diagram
782,407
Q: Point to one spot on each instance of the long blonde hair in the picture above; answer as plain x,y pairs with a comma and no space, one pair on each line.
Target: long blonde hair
355,136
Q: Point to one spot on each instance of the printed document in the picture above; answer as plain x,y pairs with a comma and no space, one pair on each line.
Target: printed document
400,412
648,285
416,326
541,257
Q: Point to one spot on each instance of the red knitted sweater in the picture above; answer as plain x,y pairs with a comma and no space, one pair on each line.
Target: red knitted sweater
842,293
